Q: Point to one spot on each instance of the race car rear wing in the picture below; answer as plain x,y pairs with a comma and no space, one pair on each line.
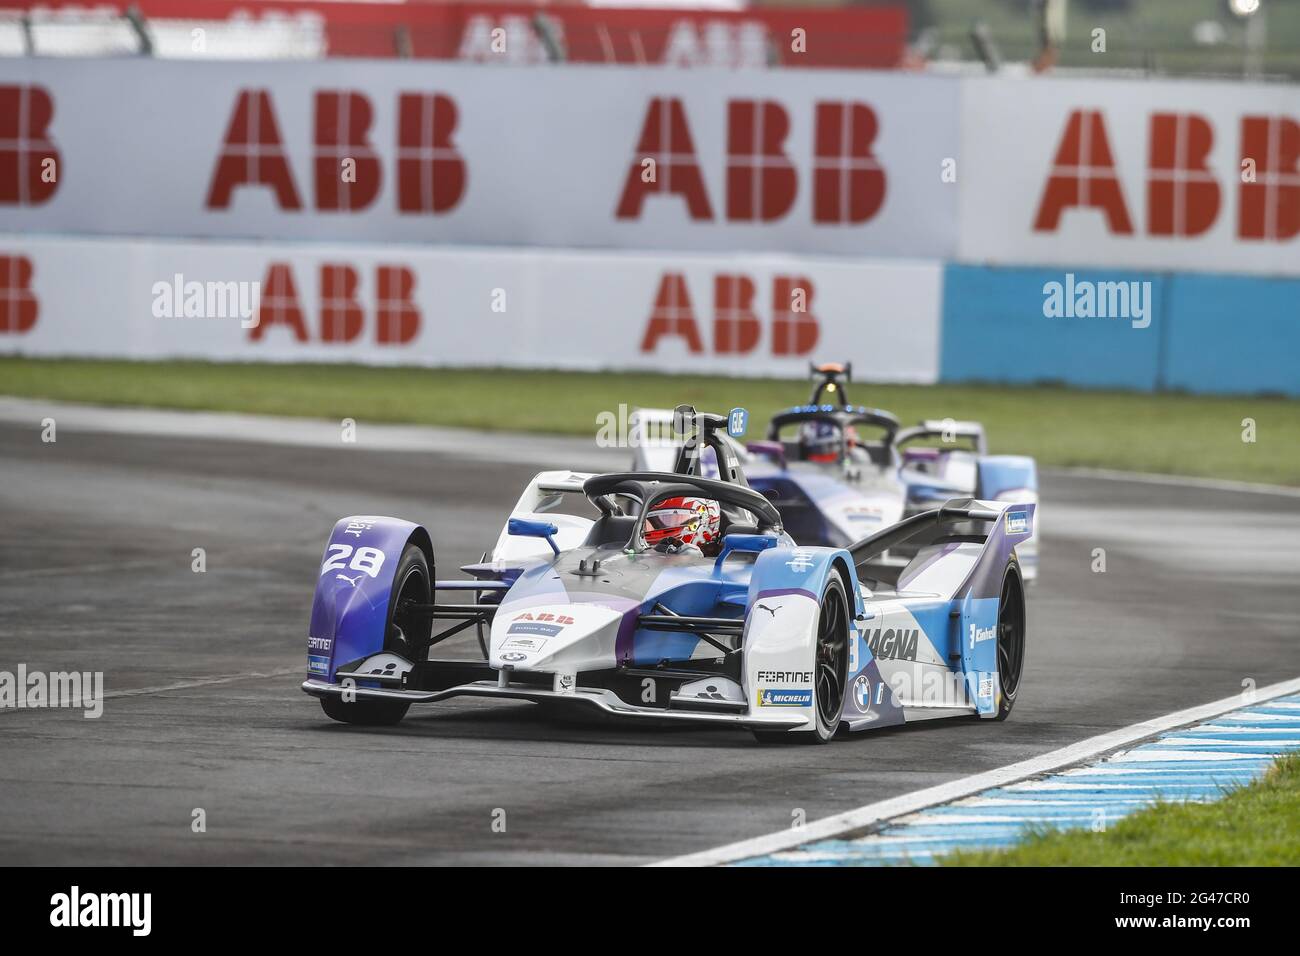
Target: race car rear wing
958,521
947,431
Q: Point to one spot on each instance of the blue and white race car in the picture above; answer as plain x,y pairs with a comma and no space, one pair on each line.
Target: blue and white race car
671,596
838,472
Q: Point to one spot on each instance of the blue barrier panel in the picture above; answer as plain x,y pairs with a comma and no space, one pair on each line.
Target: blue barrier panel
999,325
1233,334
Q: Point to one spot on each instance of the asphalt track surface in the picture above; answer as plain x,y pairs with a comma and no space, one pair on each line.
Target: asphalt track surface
1199,594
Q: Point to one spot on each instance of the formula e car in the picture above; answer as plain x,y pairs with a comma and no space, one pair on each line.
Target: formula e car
749,630
838,471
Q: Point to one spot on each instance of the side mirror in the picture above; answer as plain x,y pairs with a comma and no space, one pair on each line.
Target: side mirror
524,528
750,543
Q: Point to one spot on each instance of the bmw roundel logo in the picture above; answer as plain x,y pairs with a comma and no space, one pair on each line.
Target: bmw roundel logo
514,656
862,693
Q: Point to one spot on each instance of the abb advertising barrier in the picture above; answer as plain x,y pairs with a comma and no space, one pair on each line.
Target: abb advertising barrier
410,306
815,161
1171,174
1140,174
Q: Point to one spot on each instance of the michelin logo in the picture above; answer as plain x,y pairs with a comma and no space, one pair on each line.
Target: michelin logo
785,697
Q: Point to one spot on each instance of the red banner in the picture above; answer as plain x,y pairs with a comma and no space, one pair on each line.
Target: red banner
861,37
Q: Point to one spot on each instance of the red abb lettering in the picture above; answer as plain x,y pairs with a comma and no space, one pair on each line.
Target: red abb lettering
278,304
848,182
430,170
347,167
794,328
18,305
396,317
761,180
666,141
1270,205
735,326
28,160
341,317
252,154
672,315
1182,193
1083,174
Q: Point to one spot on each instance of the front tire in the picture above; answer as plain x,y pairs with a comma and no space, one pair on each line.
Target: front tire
406,635
830,669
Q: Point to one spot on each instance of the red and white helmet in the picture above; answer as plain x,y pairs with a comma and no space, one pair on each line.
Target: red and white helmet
694,521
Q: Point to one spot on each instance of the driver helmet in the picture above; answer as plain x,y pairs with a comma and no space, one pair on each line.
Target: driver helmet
819,441
688,521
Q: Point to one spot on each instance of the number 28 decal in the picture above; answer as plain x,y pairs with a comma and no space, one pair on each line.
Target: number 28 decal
369,560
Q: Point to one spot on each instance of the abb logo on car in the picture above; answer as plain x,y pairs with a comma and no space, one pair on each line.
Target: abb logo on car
18,305
1183,192
737,327
848,183
429,171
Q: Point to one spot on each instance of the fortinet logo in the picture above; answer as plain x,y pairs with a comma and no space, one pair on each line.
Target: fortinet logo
76,909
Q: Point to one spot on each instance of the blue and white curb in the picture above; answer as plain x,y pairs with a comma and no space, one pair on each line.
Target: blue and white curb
1195,764
1192,755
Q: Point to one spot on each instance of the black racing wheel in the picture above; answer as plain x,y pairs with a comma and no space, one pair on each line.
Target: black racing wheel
1011,637
406,635
830,669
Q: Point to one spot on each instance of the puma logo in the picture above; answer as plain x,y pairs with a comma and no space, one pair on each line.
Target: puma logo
351,581
770,610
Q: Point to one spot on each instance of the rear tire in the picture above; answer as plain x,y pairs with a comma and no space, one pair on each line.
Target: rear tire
1011,638
830,670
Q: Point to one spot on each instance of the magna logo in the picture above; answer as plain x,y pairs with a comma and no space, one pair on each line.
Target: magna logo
893,644
18,306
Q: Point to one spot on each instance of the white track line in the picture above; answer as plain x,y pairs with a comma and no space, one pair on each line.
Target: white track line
872,813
